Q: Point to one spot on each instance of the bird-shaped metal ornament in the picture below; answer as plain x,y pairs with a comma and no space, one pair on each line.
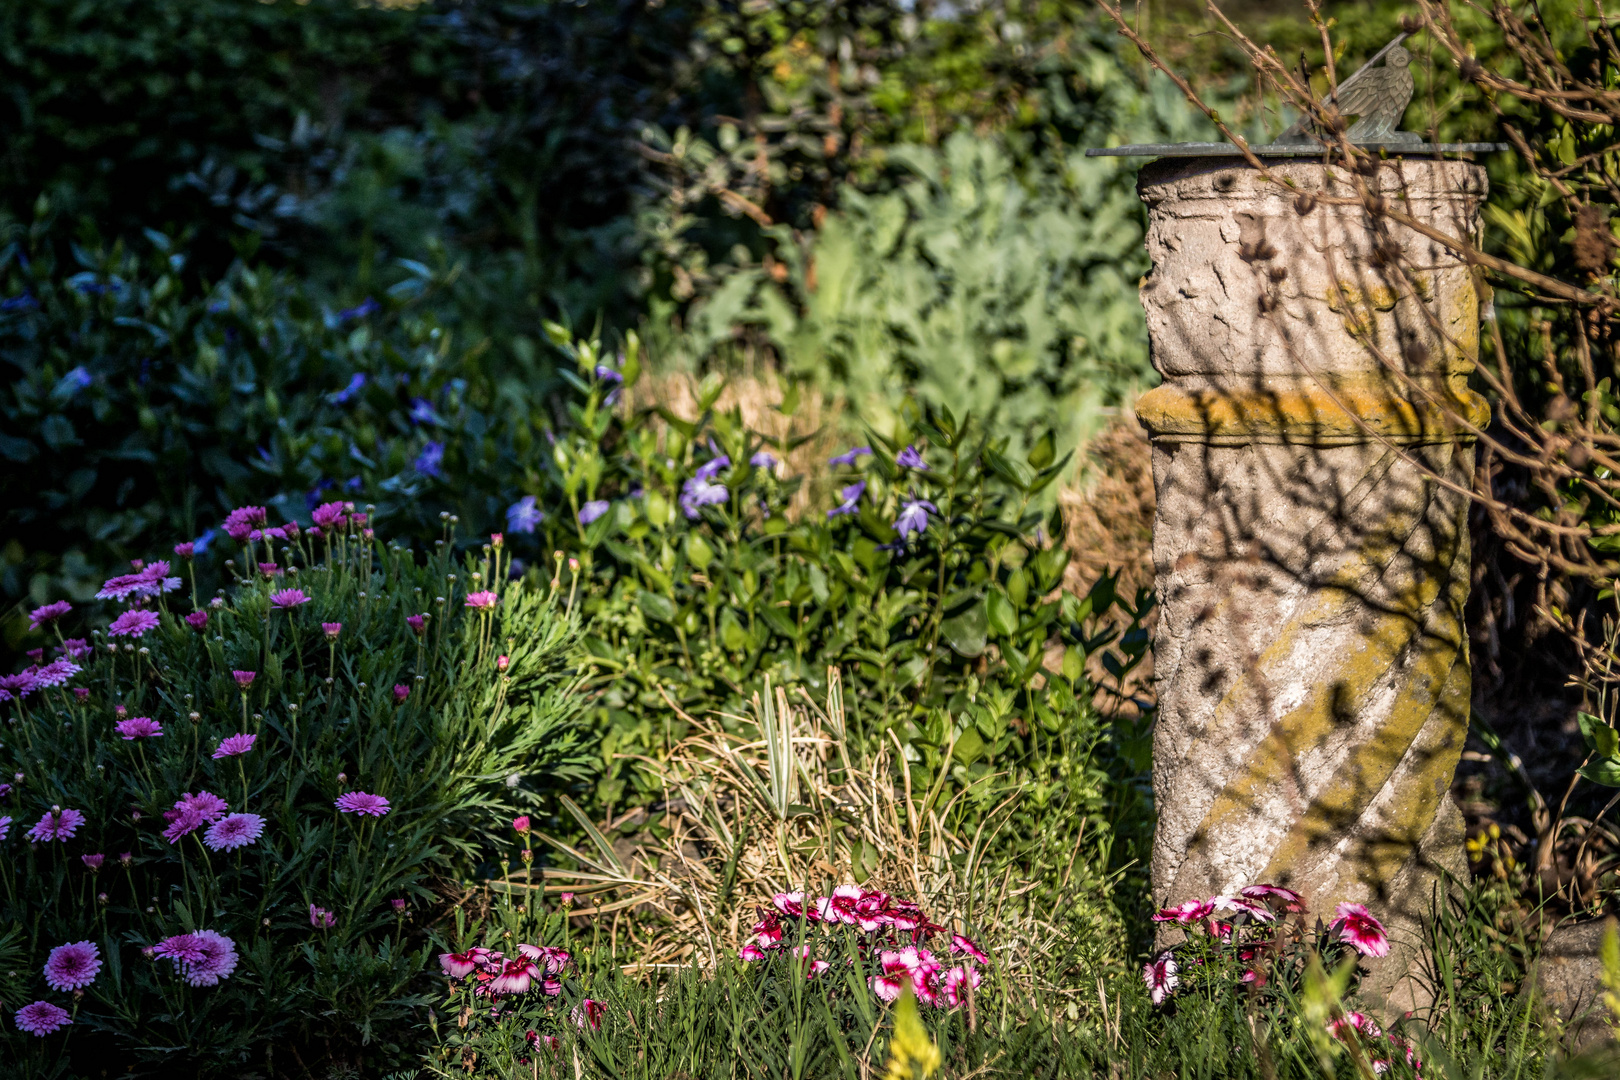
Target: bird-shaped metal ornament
1376,96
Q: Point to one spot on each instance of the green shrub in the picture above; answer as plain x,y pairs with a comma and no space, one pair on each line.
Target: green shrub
295,688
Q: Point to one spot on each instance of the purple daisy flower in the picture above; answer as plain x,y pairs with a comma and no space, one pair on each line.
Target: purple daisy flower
48,614
72,966
133,623
233,831
241,522
202,958
287,599
57,824
15,687
139,727
320,918
234,745
360,802
55,673
41,1018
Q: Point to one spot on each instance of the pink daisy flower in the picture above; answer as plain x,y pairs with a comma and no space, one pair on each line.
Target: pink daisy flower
360,802
186,550
181,949
72,966
287,599
133,623
1358,929
240,523
15,687
93,861
331,630
233,831
416,623
197,620
1161,977
244,679
75,648
5,827
48,614
191,813
41,1018
320,918
482,601
55,673
328,516
521,823
234,745
202,958
139,727
401,692
57,824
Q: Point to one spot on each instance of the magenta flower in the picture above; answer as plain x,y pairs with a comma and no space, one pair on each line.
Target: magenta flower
16,687
57,824
139,727
48,614
93,861
234,745
72,967
401,692
147,581
75,648
287,599
964,945
133,623
1193,911
197,620
1252,908
269,569
416,623
897,970
359,802
1276,896
398,904
191,813
186,550
240,523
328,516
320,918
521,823
233,831
588,1012
244,679
202,958
331,630
958,982
792,903
55,673
1358,929
1340,1027
1161,977
41,1018
482,601
459,965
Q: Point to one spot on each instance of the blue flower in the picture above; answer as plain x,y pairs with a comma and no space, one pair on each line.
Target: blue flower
428,462
200,545
23,302
217,306
312,498
367,307
607,374
700,491
763,459
848,457
422,412
910,459
914,517
711,468
592,510
524,516
851,495
352,484
355,385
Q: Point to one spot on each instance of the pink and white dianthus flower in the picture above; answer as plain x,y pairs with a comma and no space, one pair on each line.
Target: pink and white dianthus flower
41,1018
234,745
588,1013
964,945
871,911
840,906
57,824
1359,929
233,831
768,929
460,965
1161,978
1243,905
895,973
1186,914
959,981
363,803
287,599
1276,896
1340,1027
751,953
48,614
240,523
482,601
792,904
139,727
515,978
72,966
553,959
133,623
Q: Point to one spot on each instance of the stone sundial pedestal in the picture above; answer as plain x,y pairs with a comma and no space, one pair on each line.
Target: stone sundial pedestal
1313,446
1312,564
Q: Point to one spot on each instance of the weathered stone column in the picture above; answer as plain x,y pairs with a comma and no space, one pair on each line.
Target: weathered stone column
1312,567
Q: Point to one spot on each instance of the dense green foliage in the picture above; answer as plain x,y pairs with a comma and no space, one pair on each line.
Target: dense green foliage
341,695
